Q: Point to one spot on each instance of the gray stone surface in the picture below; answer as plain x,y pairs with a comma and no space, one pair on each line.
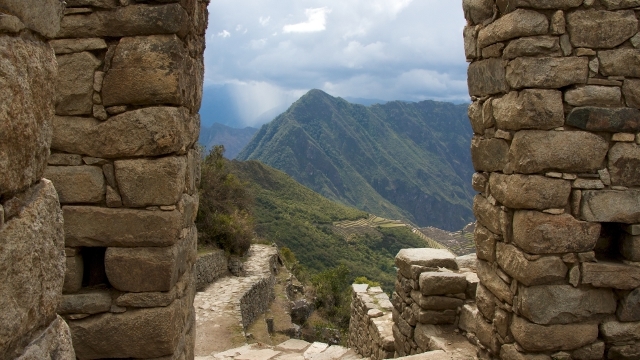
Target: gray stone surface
624,164
631,91
426,257
529,109
529,192
605,119
601,29
611,206
485,242
620,62
148,182
533,46
620,4
42,16
442,283
489,154
53,343
77,184
614,331
519,23
492,282
545,270
594,95
477,11
68,46
486,77
539,338
86,302
629,308
547,72
75,83
611,275
73,274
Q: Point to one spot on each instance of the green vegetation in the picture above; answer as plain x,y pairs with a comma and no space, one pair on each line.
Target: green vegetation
399,160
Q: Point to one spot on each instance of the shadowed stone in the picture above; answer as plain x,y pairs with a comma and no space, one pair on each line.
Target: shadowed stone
547,72
442,283
537,272
77,184
534,151
516,24
487,77
489,154
529,192
611,275
73,274
605,119
624,164
93,302
488,215
611,206
509,352
620,4
491,281
539,233
529,109
42,16
68,46
539,338
620,62
485,243
629,309
477,11
600,29
589,352
564,304
631,90
506,6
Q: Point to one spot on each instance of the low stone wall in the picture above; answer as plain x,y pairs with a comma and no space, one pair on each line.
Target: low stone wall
430,290
370,326
210,267
258,298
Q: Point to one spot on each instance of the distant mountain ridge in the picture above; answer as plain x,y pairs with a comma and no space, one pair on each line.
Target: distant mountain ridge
398,160
232,139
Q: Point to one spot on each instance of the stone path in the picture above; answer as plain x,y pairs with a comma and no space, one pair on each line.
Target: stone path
218,315
292,349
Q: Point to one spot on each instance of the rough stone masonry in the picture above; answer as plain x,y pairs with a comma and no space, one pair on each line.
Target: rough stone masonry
556,115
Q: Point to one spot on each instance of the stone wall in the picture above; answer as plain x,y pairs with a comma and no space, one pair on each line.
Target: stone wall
556,96
31,230
432,286
257,299
126,170
371,323
210,267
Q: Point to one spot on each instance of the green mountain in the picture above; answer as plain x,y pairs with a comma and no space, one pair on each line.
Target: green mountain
233,139
398,160
305,222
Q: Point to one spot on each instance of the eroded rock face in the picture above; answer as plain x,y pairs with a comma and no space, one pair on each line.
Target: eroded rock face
26,93
32,287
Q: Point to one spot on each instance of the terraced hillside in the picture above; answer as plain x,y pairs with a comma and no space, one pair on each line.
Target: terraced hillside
459,242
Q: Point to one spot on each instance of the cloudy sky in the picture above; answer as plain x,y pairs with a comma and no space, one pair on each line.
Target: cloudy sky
267,53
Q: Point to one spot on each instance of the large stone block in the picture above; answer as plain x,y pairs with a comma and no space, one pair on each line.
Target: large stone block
529,192
68,46
104,4
486,302
545,270
519,23
564,304
137,333
426,257
611,206
477,11
629,308
489,154
605,119
529,109
132,20
74,89
42,16
148,131
506,6
620,4
148,70
442,283
611,275
510,352
616,332
149,269
533,46
486,77
600,29
146,182
27,86
439,302
534,151
539,338
97,226
540,233
626,352
88,302
594,95
547,72
32,264
52,343
489,216
77,184
624,164
620,62
491,281
73,274
485,243
631,91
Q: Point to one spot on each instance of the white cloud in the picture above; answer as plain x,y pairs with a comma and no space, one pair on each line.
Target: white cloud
264,21
224,34
316,21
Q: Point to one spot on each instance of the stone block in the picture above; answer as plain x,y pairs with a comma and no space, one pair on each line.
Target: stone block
529,192
32,264
594,95
624,164
97,226
629,308
529,109
486,335
519,23
630,247
593,351
492,282
132,20
468,316
489,154
28,77
442,283
534,151
617,332
605,119
632,229
509,352
539,338
149,269
477,11
533,46
439,302
77,184
470,36
506,6
485,242
148,70
611,275
150,131
437,317
486,302
43,16
626,352
620,62
65,159
611,206
104,4
631,91
539,233
544,270
74,95
489,216
137,333
620,4
68,46
547,72
426,257
53,343
564,304
600,29
487,77
73,274
86,302
148,182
